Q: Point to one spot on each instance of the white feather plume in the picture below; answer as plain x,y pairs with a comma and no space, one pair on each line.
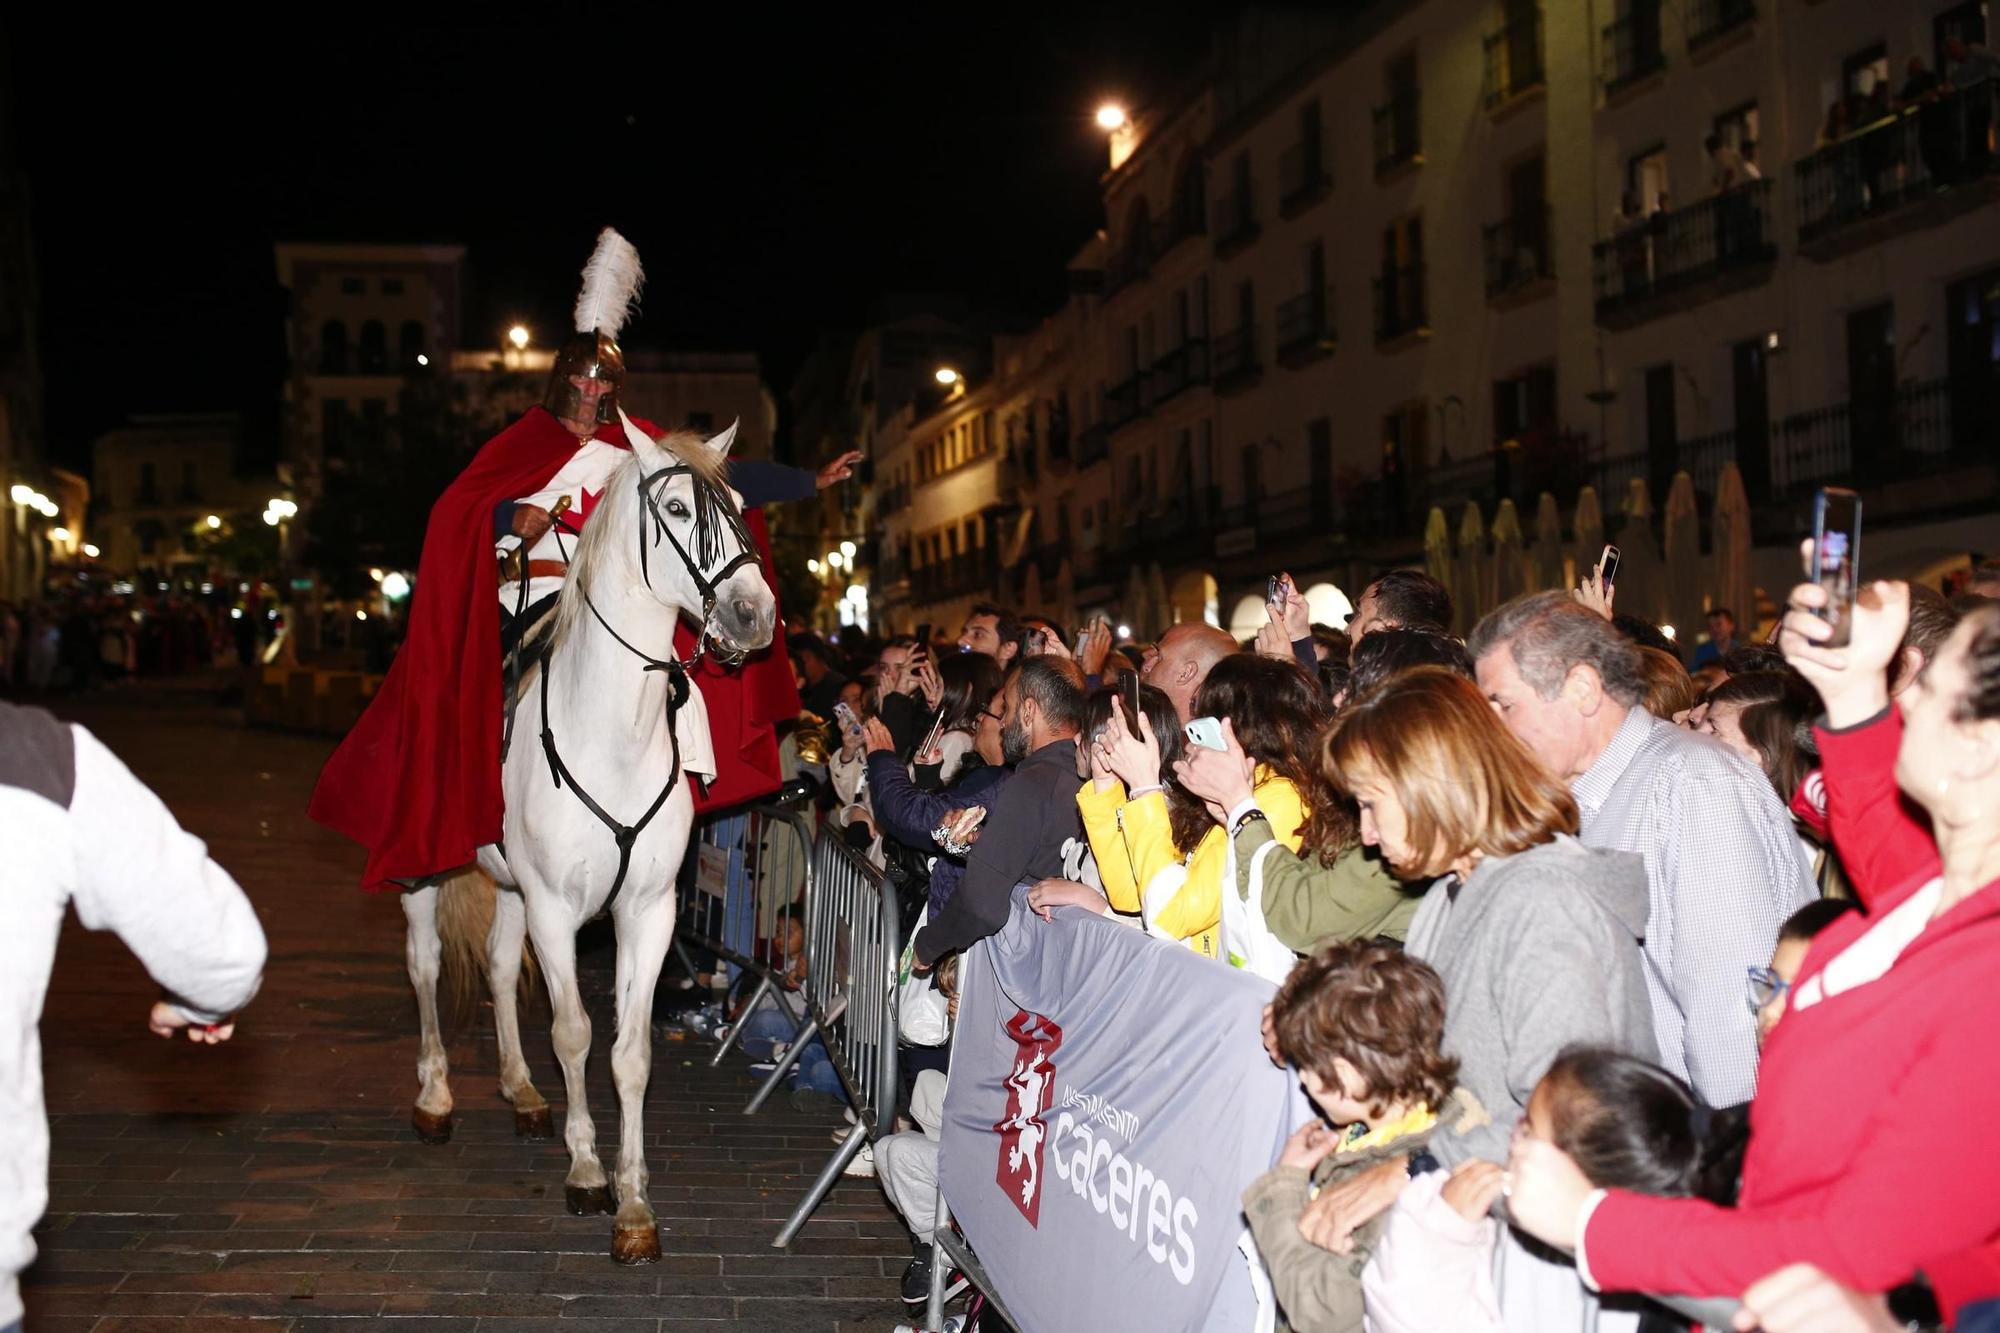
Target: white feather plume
611,282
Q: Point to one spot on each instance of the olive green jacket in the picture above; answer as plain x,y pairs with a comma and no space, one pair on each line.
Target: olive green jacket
1307,904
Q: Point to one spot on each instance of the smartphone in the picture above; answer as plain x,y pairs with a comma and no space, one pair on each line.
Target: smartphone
1081,635
930,739
1608,563
1836,558
1274,590
923,641
1038,640
1207,733
849,723
1131,688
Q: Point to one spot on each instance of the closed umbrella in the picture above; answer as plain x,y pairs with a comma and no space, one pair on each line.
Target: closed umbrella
1510,578
1132,607
1548,560
1589,530
1683,558
1474,596
1157,599
1437,550
1641,579
1732,585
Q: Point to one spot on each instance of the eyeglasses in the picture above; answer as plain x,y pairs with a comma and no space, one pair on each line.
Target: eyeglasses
997,717
1765,987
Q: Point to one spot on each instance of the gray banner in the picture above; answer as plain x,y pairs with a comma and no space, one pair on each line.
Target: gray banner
1109,1102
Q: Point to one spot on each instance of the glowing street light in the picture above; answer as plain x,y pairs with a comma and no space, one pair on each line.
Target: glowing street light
835,559
947,376
518,335
59,534
812,566
1111,116
423,360
214,521
395,585
90,549
21,494
272,517
847,549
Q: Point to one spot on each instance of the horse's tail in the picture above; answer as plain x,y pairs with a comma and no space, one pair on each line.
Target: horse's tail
467,901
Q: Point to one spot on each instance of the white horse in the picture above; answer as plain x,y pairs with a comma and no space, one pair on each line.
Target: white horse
598,810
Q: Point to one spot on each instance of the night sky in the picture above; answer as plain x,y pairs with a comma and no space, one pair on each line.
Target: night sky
777,175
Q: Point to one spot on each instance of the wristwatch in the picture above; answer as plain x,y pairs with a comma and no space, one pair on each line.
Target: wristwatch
1422,1163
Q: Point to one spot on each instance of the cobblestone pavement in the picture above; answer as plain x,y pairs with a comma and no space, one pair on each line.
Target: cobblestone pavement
275,1183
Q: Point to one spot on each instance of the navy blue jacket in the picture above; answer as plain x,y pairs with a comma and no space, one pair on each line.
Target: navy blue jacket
908,815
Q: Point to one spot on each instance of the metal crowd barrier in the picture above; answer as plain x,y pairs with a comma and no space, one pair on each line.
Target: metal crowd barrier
750,865
853,944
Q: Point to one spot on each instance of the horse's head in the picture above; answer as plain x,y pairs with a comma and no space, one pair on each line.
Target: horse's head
676,525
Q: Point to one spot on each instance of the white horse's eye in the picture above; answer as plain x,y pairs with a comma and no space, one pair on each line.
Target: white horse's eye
677,508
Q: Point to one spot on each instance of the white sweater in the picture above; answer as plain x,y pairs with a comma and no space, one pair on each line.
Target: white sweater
78,829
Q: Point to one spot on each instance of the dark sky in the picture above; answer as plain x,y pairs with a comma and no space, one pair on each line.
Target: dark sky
776,172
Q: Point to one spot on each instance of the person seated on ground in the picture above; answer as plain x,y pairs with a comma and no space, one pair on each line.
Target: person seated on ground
767,1031
906,1163
1276,712
1388,653
1332,888
1626,1122
1363,1023
1889,1017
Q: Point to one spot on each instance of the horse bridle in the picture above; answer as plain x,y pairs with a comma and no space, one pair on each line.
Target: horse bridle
709,503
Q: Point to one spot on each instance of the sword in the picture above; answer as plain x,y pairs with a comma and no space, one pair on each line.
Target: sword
514,563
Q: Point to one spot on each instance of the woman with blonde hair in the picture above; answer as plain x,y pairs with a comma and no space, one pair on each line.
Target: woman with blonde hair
1536,936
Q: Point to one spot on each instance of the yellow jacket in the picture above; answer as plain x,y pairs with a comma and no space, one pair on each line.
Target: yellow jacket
1133,842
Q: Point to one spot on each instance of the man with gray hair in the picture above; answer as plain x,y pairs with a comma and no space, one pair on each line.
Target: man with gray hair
1723,866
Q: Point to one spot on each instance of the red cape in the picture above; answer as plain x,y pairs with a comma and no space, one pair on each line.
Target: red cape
417,781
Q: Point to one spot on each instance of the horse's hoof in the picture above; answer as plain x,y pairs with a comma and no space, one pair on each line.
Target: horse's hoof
583,1202
636,1245
535,1124
432,1129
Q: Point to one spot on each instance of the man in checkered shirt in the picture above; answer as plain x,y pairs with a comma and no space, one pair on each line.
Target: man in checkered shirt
1723,866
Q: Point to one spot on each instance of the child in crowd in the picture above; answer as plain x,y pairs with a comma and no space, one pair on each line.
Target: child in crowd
1364,1024
1625,1121
1770,985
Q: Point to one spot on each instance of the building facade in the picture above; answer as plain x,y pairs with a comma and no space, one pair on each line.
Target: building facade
1474,250
165,487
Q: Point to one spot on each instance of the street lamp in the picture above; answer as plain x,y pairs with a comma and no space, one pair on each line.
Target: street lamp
21,494
59,535
812,566
1111,116
847,549
947,376
518,335
90,550
214,521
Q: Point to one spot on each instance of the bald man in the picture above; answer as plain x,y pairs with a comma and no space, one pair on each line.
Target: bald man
1180,661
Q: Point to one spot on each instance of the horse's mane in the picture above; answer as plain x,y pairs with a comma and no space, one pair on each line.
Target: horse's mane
615,519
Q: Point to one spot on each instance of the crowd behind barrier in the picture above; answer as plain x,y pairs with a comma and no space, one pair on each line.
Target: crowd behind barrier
1121,837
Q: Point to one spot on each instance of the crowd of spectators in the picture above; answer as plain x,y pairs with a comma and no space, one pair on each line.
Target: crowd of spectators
1576,951
95,639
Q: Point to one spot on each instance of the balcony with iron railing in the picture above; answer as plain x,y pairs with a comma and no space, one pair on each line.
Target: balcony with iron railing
1235,359
1398,140
1184,221
1514,61
1235,221
1121,402
1918,167
1093,444
1183,367
1306,327
1303,179
1127,266
1709,21
1517,255
1172,526
1632,49
1401,308
1674,260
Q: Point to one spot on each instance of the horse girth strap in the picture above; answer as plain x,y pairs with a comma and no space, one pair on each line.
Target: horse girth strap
624,835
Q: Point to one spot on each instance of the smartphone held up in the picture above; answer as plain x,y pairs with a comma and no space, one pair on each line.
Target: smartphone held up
1834,562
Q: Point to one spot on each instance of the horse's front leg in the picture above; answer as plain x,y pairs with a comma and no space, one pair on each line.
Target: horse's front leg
553,926
645,929
423,951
